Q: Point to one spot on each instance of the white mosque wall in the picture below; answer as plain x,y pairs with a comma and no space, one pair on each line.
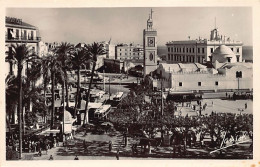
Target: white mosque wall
179,81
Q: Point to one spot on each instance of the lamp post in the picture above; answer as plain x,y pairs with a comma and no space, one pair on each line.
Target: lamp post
161,97
238,75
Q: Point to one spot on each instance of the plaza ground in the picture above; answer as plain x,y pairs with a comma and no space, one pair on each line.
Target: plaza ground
97,145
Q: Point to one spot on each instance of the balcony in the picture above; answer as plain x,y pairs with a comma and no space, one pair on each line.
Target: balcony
22,39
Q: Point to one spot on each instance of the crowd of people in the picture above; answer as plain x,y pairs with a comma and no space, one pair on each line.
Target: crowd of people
35,144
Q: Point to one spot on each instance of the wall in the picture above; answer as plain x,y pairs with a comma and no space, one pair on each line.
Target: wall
227,80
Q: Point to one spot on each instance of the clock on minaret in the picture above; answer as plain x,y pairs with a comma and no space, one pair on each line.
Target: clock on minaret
151,41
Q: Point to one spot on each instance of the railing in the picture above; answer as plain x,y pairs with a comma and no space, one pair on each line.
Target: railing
22,38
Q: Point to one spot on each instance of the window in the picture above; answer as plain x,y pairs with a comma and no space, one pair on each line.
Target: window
174,49
120,54
10,33
31,35
120,49
198,59
193,59
237,50
125,54
25,34
211,50
187,50
237,58
190,50
229,59
232,49
180,83
193,50
168,49
216,83
172,57
17,34
168,56
175,58
198,50
203,50
199,83
183,50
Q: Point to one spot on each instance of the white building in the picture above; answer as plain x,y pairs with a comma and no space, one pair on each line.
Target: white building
195,76
129,52
200,50
19,32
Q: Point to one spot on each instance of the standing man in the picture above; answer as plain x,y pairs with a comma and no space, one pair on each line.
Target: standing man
117,155
110,146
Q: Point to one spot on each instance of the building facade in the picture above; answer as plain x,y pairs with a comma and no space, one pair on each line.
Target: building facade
129,52
19,32
196,77
221,75
200,50
150,46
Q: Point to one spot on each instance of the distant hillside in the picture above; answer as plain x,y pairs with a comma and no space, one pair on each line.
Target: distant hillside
161,50
247,52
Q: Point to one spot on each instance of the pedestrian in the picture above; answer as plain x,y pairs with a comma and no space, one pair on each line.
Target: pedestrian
110,146
51,157
76,158
226,94
40,152
245,105
117,155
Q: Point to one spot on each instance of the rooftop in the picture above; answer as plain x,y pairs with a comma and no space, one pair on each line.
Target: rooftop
11,21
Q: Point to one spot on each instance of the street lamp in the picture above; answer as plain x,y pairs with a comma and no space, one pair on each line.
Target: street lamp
238,75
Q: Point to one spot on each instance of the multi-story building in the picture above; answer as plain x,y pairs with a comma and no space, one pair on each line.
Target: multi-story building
17,31
110,50
200,50
129,52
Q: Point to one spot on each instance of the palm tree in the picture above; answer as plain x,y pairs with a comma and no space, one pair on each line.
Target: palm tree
21,54
50,66
64,51
94,51
79,58
11,96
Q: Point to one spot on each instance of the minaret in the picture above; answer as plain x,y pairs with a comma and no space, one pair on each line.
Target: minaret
150,46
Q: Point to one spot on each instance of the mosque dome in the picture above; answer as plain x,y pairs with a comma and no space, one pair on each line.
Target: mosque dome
224,54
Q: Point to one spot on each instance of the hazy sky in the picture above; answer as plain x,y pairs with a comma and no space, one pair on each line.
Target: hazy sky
125,25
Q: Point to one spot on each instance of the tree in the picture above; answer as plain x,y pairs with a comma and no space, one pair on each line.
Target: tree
64,52
94,51
79,58
21,54
50,66
11,96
